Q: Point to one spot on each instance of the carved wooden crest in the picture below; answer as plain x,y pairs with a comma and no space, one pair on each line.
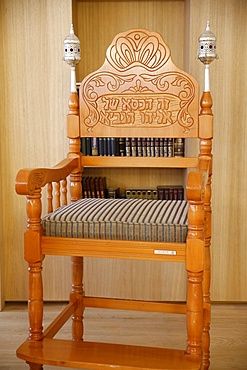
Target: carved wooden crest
139,92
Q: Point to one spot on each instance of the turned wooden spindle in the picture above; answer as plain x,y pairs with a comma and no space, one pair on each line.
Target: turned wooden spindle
64,192
194,266
49,198
74,145
206,118
34,259
57,195
75,194
77,294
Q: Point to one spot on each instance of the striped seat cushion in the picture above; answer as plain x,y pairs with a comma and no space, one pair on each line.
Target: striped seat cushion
120,219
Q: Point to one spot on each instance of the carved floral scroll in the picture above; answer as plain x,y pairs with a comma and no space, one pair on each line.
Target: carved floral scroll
137,87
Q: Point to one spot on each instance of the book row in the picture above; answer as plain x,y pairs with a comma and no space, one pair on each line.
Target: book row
95,187
133,147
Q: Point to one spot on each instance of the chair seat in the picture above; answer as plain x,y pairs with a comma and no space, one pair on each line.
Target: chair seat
120,219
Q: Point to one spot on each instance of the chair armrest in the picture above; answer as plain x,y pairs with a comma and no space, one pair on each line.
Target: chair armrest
27,180
197,180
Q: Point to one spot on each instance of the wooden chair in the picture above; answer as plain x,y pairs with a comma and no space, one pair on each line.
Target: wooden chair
139,93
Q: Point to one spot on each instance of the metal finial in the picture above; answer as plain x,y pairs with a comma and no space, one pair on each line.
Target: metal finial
72,55
207,46
207,52
72,50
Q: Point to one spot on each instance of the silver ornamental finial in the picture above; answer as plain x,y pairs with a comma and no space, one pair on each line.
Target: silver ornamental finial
72,55
207,52
72,50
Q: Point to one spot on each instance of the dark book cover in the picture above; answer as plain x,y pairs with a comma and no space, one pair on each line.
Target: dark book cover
139,147
92,187
133,147
152,154
165,147
144,146
88,146
161,145
96,185
127,147
105,146
156,147
84,187
95,146
170,147
101,146
148,147
179,147
83,145
102,187
122,151
113,146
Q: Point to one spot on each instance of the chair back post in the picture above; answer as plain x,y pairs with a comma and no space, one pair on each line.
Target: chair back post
206,54
206,138
72,57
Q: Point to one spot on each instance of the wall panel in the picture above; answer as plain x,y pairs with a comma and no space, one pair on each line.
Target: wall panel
228,86
33,110
34,91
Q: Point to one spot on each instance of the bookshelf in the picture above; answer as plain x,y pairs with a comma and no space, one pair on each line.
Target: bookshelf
140,162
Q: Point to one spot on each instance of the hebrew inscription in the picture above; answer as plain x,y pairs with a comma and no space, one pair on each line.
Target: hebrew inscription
143,100
137,110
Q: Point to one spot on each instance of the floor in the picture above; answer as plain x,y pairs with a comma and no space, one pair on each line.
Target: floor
228,332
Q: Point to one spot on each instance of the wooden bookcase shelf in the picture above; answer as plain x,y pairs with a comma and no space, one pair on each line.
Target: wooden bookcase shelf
139,162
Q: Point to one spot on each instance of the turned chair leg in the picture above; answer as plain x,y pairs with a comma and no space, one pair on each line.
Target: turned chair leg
207,310
77,295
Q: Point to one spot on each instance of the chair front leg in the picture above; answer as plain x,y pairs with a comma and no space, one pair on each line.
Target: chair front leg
77,294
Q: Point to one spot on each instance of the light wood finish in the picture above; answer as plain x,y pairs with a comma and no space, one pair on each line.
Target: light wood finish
19,21
159,16
93,355
137,162
228,22
180,92
228,342
33,75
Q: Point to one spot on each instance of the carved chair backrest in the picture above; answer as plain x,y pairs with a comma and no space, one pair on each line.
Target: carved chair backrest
139,92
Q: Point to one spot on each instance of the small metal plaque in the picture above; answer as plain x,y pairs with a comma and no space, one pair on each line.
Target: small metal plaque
166,252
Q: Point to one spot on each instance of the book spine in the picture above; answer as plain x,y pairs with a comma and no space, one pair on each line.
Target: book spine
165,147
144,146
179,147
133,147
105,146
95,146
83,145
101,146
156,147
92,187
152,154
170,148
139,147
102,186
127,147
97,190
88,146
122,151
148,147
161,146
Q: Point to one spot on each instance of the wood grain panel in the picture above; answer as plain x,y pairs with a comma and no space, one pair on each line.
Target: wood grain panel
34,77
100,21
228,86
33,110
